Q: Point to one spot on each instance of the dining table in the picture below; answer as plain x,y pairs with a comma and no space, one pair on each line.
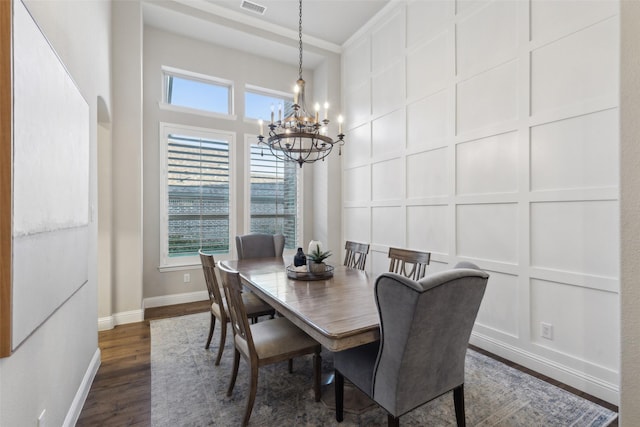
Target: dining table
339,311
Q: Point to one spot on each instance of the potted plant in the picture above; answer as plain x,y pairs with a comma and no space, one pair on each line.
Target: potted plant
317,257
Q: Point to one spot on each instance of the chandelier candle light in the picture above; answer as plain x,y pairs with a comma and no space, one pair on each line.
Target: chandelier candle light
300,137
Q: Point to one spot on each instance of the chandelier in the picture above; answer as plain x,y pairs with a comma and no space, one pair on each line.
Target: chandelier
301,136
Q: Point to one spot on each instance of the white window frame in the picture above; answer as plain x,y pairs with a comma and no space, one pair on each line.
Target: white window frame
262,91
252,140
190,75
167,263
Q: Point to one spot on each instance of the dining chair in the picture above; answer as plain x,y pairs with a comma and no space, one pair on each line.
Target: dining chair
411,264
255,307
356,254
263,343
424,334
259,245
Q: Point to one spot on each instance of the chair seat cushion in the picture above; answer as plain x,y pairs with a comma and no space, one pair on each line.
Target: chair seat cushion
277,337
357,364
252,303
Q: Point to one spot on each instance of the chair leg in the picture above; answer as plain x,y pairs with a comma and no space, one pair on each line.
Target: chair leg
234,372
339,394
290,366
393,421
317,363
458,401
212,325
253,388
223,338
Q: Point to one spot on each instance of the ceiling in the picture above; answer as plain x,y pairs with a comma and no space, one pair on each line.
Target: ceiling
326,24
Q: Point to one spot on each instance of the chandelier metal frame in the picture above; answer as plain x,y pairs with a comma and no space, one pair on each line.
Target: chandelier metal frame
300,137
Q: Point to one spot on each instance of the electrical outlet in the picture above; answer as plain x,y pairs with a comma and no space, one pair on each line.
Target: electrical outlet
187,278
546,330
42,419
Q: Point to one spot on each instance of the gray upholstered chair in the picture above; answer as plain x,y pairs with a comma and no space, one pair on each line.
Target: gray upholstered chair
259,245
356,254
424,333
411,264
263,343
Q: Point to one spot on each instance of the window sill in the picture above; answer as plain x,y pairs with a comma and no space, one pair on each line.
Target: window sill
169,268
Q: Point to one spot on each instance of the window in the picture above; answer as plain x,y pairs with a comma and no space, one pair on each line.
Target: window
259,102
274,196
196,92
195,193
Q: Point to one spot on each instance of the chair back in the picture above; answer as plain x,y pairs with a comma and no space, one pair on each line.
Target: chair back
237,311
411,264
425,329
259,245
356,254
213,288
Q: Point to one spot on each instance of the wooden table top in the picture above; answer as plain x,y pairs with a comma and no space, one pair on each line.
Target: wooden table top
339,312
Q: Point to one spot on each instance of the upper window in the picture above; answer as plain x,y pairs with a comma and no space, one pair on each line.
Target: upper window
197,92
260,102
195,193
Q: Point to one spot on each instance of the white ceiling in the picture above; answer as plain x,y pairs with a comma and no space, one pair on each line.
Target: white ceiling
326,24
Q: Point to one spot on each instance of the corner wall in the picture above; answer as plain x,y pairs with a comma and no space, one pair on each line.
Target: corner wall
488,132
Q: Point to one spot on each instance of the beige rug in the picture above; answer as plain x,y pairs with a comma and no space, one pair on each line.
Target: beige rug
188,390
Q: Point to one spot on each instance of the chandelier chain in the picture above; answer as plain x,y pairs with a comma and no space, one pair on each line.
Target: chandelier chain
300,39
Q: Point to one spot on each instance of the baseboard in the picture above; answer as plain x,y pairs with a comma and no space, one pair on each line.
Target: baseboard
175,299
83,391
604,390
106,323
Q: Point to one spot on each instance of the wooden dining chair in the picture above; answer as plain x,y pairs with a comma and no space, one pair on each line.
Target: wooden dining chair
255,307
411,264
356,254
263,343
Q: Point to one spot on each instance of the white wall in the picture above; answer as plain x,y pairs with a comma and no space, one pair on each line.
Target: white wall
488,132
53,368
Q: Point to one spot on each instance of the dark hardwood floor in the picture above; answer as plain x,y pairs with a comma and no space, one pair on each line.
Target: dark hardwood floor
121,391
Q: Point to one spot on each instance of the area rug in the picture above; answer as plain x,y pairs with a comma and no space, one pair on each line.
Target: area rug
187,389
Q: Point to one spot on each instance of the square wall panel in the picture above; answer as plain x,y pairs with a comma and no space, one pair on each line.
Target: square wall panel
576,68
553,19
378,262
387,178
388,41
389,134
488,165
427,228
499,308
585,321
576,153
387,225
357,223
579,237
428,122
388,89
488,37
488,231
489,98
357,184
425,19
357,63
427,174
429,67
359,106
357,149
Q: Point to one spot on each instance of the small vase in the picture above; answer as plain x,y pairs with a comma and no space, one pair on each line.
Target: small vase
299,259
317,267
